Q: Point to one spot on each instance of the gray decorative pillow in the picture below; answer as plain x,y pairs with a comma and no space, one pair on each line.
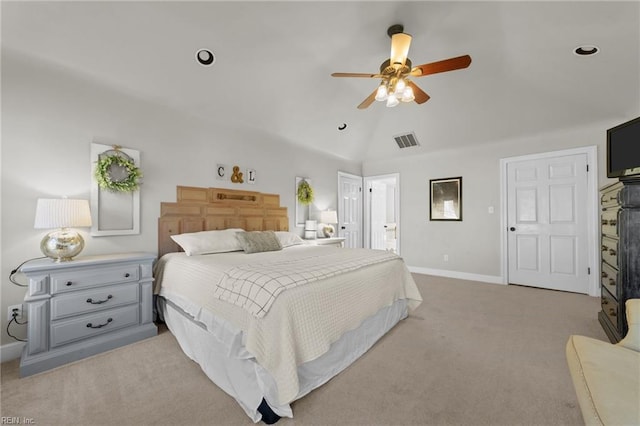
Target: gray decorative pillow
258,241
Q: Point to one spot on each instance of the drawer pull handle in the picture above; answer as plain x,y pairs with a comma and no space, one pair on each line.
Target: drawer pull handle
612,312
612,222
100,325
127,275
612,282
605,221
68,283
605,248
98,302
612,252
604,274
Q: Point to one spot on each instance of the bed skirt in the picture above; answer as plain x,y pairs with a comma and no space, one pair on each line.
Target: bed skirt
250,384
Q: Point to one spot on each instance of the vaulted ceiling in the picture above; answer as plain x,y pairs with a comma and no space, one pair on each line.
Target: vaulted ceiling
274,62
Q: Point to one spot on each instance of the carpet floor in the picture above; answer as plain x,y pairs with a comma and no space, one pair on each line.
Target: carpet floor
471,354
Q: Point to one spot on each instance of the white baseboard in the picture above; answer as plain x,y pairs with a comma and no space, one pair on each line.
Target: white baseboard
492,279
11,351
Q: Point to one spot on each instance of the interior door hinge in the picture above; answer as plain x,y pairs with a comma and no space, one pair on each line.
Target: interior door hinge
588,271
587,167
370,189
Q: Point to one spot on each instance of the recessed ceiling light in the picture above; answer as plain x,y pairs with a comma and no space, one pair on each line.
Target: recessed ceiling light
205,57
586,50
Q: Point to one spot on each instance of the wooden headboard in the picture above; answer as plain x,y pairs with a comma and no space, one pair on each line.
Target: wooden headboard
206,209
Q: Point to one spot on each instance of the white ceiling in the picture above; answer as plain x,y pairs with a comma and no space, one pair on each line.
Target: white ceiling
274,60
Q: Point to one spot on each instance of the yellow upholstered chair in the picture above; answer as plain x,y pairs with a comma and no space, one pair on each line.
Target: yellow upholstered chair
606,376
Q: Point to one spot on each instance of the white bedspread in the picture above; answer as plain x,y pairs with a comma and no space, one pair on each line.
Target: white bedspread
255,286
302,322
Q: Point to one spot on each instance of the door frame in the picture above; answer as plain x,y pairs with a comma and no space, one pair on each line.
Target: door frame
367,207
593,211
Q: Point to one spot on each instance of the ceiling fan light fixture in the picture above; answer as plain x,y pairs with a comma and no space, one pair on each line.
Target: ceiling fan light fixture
392,101
381,93
400,86
407,94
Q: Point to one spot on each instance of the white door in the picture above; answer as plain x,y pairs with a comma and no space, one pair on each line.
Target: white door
547,223
350,209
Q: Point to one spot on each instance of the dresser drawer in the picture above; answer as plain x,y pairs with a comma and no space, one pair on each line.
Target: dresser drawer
609,307
611,195
79,279
610,251
85,301
609,224
609,278
85,326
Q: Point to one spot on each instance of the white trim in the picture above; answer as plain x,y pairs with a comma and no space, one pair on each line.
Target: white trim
593,211
11,351
491,279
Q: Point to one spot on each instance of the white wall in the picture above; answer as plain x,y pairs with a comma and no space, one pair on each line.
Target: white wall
473,245
49,119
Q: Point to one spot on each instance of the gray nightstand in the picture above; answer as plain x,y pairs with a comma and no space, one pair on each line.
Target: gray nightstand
86,306
333,241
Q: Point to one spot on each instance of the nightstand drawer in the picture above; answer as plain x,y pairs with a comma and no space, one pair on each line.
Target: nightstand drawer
74,280
71,330
81,302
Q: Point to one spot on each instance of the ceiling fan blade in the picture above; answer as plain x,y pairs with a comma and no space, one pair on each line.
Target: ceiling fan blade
400,43
441,66
419,94
368,101
355,74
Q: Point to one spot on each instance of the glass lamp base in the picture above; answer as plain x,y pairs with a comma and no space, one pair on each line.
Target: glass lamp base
329,231
62,245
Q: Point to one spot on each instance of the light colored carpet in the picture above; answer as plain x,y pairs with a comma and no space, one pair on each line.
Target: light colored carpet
471,354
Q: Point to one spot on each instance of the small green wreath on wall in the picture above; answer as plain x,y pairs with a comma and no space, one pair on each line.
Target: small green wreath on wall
305,193
117,173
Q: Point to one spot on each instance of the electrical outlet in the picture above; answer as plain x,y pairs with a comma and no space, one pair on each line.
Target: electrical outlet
12,309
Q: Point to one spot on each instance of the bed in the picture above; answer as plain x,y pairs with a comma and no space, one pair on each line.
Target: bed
267,317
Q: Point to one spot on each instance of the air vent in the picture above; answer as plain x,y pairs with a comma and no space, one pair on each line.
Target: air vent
406,140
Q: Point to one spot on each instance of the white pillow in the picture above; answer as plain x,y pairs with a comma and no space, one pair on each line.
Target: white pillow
206,242
288,239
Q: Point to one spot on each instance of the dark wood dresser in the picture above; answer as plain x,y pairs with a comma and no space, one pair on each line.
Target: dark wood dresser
620,255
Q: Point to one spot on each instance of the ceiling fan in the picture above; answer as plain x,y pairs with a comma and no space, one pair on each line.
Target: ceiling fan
395,86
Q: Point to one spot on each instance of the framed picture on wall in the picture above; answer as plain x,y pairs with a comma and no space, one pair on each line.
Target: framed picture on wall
445,197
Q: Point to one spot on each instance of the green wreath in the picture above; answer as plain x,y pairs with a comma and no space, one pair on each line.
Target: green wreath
305,193
103,174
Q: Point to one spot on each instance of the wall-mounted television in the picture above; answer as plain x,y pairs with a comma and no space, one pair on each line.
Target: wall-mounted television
623,149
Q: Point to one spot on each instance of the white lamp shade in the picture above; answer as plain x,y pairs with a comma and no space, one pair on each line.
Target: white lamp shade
62,213
328,216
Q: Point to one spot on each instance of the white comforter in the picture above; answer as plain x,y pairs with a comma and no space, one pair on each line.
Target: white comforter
302,322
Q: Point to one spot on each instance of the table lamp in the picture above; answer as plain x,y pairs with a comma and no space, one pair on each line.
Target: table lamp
329,218
62,244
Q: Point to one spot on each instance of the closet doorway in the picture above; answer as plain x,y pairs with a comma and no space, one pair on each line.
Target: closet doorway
382,217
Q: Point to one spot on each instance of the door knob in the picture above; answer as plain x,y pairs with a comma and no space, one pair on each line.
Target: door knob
512,229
